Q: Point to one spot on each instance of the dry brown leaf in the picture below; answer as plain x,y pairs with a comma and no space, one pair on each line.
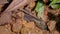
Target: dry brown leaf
46,32
30,25
31,31
5,29
55,32
32,5
17,26
51,25
20,14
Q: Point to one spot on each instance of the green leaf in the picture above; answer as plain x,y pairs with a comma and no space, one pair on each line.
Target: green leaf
40,12
56,6
55,1
38,6
39,9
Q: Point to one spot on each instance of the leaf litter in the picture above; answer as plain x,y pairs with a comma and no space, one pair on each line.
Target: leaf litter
29,20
